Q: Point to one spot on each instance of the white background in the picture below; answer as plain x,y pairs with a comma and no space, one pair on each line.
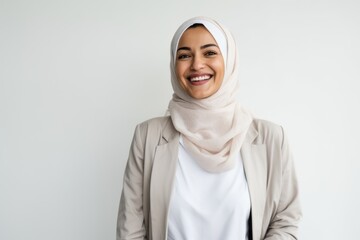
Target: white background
77,76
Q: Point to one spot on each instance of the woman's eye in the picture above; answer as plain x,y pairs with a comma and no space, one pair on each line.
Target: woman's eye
183,56
210,53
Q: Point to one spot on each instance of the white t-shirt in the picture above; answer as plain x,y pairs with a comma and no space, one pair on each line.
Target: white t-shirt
211,206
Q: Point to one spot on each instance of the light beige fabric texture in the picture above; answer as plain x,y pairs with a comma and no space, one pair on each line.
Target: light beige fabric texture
150,171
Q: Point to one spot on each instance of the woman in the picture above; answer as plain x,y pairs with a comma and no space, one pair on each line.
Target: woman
209,170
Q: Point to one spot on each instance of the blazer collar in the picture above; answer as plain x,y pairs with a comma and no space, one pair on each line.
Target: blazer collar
251,134
169,132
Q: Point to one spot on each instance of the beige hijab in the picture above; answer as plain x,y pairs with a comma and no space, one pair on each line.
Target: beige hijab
214,128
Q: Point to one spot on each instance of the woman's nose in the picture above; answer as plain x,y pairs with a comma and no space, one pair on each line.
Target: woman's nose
197,63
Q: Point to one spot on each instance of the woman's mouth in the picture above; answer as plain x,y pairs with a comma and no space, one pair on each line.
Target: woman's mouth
199,79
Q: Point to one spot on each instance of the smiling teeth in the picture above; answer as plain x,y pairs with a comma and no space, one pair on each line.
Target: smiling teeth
200,78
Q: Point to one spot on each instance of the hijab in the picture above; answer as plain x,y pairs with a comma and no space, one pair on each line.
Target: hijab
213,128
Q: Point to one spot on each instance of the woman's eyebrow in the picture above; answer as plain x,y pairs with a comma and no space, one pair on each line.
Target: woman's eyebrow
183,48
202,47
209,45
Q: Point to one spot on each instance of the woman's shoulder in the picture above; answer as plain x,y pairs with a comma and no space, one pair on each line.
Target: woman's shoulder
266,125
268,130
156,126
156,122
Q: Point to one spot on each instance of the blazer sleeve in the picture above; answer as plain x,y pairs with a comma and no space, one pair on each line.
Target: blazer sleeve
130,222
284,224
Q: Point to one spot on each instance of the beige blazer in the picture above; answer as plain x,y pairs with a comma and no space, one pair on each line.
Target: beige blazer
150,171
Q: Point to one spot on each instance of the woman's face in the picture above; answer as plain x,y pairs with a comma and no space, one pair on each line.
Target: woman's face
199,65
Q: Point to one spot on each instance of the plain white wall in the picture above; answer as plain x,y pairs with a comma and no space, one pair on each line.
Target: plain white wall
77,76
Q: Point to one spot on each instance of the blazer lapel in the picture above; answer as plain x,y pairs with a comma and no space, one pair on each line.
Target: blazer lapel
255,165
162,178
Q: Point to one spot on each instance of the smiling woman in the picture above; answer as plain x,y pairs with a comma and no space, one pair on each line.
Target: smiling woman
209,170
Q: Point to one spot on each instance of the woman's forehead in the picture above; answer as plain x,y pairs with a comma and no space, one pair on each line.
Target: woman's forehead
195,35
